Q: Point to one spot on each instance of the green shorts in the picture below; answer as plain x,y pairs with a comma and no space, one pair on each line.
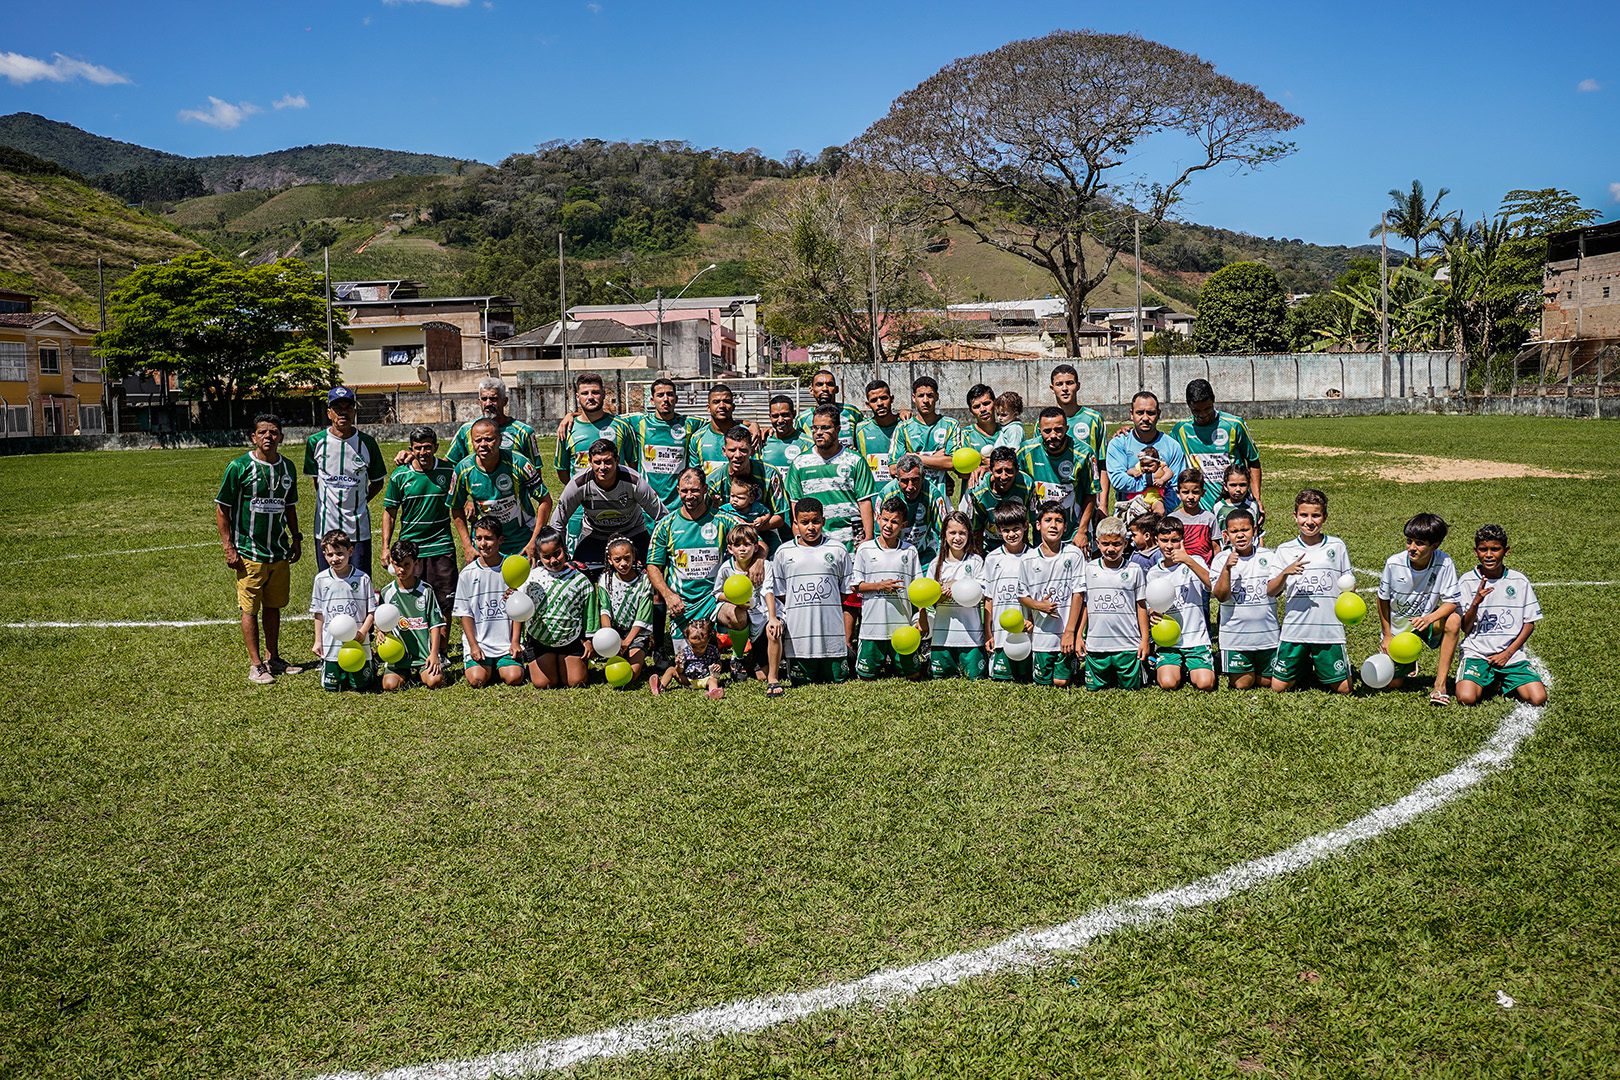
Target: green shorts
1113,669
1487,676
1005,670
818,669
1248,661
335,678
493,663
872,658
1431,640
1051,667
1193,658
1328,664
943,662
694,609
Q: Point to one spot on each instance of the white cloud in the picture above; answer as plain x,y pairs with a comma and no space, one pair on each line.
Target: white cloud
1614,192
1588,86
221,114
291,101
22,69
594,8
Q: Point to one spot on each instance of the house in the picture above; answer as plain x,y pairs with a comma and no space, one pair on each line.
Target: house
1155,319
406,341
736,340
606,344
50,379
1580,288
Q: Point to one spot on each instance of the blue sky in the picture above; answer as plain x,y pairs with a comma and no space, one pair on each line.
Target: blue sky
1477,97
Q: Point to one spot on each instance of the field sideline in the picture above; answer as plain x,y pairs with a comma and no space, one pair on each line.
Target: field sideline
202,877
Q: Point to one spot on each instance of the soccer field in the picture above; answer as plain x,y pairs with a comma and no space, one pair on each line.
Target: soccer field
201,877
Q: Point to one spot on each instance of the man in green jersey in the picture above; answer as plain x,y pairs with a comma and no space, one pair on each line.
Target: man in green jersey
1002,482
503,485
707,449
416,507
663,440
1062,471
824,390
783,443
1085,423
256,511
981,434
927,434
875,437
740,463
835,476
580,430
686,549
347,469
1213,440
926,505
515,434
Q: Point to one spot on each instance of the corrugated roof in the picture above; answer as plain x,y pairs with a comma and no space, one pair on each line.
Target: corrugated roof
580,332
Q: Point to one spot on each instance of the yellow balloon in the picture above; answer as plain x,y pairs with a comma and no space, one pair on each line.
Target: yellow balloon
619,672
390,650
965,460
1012,620
924,592
738,589
906,640
1166,632
515,571
1405,648
352,657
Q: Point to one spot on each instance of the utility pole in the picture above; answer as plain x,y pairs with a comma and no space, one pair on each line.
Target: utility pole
109,403
1383,296
871,301
326,262
1141,361
562,324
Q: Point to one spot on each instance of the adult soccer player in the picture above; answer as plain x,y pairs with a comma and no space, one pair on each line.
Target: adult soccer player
347,469
1061,471
875,437
502,485
1213,440
663,440
928,434
256,511
824,391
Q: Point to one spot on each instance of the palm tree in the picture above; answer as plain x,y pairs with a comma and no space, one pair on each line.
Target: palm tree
1412,216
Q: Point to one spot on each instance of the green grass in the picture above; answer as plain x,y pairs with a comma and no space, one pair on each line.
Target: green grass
208,878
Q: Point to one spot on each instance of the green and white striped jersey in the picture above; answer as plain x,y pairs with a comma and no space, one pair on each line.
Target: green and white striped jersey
419,614
706,451
561,603
1213,448
839,483
1086,429
779,453
421,504
627,604
574,453
507,494
1066,478
923,518
876,443
939,437
255,495
343,470
661,448
688,552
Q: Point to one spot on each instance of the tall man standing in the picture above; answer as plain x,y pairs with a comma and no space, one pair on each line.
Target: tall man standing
347,469
583,429
1063,471
515,434
663,440
824,390
416,507
256,511
503,484
1085,423
927,434
875,437
1143,458
1213,440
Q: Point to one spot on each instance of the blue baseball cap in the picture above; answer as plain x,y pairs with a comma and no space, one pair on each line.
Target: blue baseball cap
339,393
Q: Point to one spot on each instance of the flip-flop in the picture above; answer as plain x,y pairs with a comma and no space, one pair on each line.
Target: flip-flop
714,693
1438,698
774,689
653,685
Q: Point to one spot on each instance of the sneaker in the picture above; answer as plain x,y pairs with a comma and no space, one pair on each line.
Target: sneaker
278,666
739,669
260,673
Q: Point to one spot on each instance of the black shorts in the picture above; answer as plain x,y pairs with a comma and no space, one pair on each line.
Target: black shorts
533,650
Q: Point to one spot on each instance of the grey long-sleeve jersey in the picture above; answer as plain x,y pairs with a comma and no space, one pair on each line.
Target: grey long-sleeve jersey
613,510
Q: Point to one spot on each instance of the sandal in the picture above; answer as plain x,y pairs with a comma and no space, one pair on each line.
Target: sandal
652,684
1439,697
714,693
774,689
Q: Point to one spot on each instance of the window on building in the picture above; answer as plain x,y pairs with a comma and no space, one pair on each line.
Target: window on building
16,418
1605,292
13,361
50,360
90,420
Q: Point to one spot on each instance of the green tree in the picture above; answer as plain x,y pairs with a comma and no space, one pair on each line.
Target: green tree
1413,216
229,331
1539,213
1241,309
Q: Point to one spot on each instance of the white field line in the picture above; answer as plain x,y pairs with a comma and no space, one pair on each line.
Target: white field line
110,554
1021,952
139,624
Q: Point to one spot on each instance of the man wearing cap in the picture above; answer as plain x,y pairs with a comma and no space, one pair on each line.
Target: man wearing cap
348,471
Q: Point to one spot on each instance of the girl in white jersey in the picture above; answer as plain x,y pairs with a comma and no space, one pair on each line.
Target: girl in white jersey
959,641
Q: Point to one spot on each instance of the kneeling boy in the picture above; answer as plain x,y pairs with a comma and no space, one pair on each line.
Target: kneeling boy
422,625
1501,614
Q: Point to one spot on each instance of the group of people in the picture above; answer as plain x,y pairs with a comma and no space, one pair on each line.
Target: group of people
838,542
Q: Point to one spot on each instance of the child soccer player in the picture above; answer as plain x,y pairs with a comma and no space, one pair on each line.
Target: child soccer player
697,660
1145,541
341,589
1113,634
1197,524
883,569
423,627
624,600
1418,592
1502,612
486,632
553,642
1249,627
1010,415
1191,653
1312,639
804,597
959,639
1235,493
1004,589
1054,589
746,622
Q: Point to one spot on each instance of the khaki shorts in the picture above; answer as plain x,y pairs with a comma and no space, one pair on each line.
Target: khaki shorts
263,585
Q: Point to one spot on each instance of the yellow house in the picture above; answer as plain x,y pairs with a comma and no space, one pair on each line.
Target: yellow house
50,381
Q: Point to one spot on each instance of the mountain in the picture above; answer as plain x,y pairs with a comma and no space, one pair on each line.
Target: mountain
96,156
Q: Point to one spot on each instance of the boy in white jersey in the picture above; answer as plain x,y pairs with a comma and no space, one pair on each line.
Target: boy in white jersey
805,589
1502,612
1191,652
422,625
960,643
1418,592
481,592
341,589
1249,627
882,571
1312,639
1054,589
1004,589
1113,634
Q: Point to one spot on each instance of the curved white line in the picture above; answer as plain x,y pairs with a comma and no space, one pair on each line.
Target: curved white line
1022,951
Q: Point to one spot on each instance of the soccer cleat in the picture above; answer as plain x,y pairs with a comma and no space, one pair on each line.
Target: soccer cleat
260,673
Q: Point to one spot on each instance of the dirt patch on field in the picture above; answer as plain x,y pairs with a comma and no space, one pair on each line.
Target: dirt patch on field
1413,469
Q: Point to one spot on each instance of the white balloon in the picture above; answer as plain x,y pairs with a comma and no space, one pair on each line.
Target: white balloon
388,617
341,628
1347,582
519,606
1017,647
966,592
1377,670
1161,594
607,642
